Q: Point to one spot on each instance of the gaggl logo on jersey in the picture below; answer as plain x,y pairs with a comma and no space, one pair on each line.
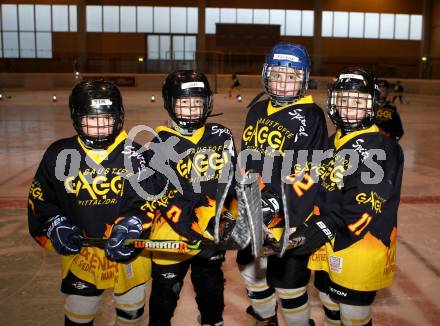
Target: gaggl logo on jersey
101,189
373,198
36,191
263,135
202,163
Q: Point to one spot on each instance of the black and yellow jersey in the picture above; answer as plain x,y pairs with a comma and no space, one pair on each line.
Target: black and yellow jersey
191,171
388,120
276,136
86,186
362,197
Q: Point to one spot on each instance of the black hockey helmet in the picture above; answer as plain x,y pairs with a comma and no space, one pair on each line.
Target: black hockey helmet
383,83
186,84
352,99
97,99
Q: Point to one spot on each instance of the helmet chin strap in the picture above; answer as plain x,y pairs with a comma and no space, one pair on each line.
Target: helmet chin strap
180,130
278,104
93,146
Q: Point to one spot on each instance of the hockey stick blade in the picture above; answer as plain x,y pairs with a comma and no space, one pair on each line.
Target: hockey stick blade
250,212
275,248
215,114
287,231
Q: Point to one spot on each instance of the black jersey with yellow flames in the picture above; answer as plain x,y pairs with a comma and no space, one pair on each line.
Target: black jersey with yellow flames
86,186
279,133
362,255
203,159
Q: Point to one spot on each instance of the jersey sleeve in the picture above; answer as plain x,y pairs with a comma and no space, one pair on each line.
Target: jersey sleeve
133,203
301,186
140,187
42,201
396,131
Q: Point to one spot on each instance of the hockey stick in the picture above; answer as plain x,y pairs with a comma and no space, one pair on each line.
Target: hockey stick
215,114
221,194
153,245
286,232
250,212
255,100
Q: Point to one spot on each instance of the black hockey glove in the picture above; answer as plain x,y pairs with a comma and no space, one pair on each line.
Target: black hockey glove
227,224
130,227
311,235
66,238
270,204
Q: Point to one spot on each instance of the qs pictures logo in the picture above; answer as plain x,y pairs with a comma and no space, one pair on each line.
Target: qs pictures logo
202,163
98,189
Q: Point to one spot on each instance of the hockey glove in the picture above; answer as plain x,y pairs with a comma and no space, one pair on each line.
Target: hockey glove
270,204
66,238
130,227
227,224
311,235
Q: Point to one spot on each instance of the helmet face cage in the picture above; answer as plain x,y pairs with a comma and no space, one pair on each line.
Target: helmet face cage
97,112
284,85
351,110
99,130
352,101
285,74
188,99
190,112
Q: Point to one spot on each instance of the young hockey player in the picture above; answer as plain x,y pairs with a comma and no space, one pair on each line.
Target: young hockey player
387,117
78,193
289,121
205,152
398,93
356,214
235,85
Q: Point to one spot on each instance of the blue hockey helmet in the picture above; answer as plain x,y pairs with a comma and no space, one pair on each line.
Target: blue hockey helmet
286,73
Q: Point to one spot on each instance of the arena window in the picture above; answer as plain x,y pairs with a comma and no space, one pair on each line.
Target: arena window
142,19
371,25
292,22
26,29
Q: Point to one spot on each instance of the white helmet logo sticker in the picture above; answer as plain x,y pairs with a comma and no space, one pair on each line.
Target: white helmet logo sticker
101,101
192,84
288,57
351,76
